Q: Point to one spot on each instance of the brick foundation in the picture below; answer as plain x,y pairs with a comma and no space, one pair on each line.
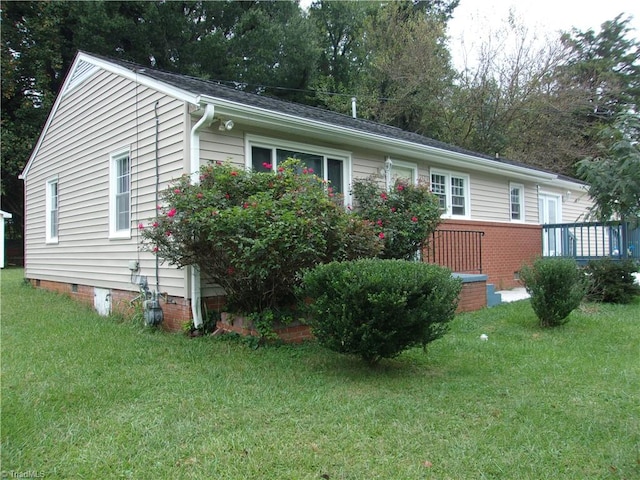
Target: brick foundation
177,310
505,248
293,333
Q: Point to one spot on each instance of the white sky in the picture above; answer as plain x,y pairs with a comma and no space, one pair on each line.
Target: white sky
473,18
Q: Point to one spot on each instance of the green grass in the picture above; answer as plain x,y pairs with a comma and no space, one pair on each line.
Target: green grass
95,398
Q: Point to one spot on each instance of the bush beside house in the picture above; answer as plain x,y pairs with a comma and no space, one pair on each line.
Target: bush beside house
557,286
254,233
378,308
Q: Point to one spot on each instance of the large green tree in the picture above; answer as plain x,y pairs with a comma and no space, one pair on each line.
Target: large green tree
542,104
606,67
253,45
614,175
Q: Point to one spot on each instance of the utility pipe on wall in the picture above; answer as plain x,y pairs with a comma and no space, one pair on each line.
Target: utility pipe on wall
194,162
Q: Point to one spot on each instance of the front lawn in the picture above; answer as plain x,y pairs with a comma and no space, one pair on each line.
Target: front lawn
89,397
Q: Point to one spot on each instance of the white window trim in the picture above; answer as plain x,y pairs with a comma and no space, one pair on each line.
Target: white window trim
113,233
513,185
467,191
409,166
274,143
48,199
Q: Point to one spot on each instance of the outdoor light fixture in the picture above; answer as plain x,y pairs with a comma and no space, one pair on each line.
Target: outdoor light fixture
228,125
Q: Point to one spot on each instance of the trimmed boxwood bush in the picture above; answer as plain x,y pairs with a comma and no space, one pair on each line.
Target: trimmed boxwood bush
612,281
378,308
557,286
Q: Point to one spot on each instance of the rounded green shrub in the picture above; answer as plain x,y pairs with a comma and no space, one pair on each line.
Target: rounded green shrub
557,286
612,281
378,308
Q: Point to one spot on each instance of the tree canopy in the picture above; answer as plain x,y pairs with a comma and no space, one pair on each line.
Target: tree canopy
543,106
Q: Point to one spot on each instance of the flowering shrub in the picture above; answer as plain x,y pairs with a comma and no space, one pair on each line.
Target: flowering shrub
378,308
252,233
403,218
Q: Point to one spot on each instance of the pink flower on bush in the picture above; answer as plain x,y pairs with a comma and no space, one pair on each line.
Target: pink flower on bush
393,209
227,196
280,169
234,173
155,224
379,222
199,195
381,235
245,205
266,165
400,187
155,249
140,226
177,191
172,213
168,233
383,196
414,219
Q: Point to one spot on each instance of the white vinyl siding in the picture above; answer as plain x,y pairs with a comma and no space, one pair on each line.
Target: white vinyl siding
453,192
120,196
51,222
77,147
516,202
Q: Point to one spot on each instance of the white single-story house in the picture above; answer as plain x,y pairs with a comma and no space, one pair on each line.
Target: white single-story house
119,133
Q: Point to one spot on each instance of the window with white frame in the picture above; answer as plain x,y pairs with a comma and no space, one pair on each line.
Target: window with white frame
452,190
331,165
408,172
51,223
516,202
120,195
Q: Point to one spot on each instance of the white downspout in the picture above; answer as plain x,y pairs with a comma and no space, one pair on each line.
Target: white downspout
205,121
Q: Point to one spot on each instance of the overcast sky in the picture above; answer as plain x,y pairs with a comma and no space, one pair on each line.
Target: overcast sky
473,18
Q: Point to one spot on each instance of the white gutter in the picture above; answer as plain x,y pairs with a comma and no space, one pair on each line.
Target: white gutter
194,164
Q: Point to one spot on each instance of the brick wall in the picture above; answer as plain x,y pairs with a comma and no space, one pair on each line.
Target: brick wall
505,248
472,297
177,310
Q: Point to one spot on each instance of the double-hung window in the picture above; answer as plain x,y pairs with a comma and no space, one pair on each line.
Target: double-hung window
516,202
120,195
331,165
452,190
51,223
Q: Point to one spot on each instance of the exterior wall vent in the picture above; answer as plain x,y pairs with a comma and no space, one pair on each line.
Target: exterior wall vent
82,71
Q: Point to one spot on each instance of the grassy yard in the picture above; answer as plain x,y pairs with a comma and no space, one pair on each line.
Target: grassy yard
95,398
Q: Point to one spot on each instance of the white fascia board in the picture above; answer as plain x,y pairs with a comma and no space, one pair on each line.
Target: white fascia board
139,77
568,184
446,158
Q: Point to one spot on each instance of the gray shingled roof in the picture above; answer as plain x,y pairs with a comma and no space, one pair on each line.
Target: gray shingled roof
198,86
